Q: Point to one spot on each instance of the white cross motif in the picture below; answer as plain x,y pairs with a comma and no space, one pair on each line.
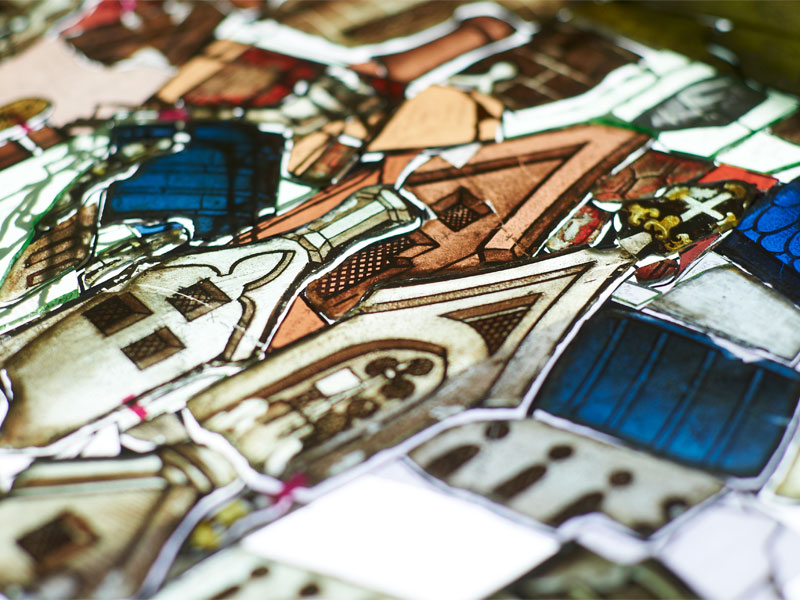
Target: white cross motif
704,207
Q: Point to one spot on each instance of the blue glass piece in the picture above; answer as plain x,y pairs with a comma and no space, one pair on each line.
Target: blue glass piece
767,241
127,134
147,229
226,174
672,392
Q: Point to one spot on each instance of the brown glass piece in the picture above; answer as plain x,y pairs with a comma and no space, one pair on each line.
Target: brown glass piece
187,38
229,73
408,65
332,159
440,116
498,207
647,174
45,137
64,246
111,43
788,128
11,153
342,22
368,263
302,322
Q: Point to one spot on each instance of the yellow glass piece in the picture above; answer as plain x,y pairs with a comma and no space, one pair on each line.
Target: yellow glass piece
204,537
231,513
639,214
21,111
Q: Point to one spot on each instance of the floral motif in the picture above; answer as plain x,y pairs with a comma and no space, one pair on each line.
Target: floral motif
398,385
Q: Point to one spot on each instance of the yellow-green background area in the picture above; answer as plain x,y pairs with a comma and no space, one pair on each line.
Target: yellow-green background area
764,35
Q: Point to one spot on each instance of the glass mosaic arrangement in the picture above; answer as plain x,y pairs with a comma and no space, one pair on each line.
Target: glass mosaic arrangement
398,299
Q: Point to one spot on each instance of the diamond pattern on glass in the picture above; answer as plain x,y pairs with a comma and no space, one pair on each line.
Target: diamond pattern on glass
153,348
461,210
116,313
362,266
57,541
198,299
494,329
458,216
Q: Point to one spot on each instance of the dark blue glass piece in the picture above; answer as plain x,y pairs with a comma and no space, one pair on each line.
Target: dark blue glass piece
767,241
147,229
221,180
672,392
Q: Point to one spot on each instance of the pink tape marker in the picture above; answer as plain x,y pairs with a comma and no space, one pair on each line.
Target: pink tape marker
299,480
